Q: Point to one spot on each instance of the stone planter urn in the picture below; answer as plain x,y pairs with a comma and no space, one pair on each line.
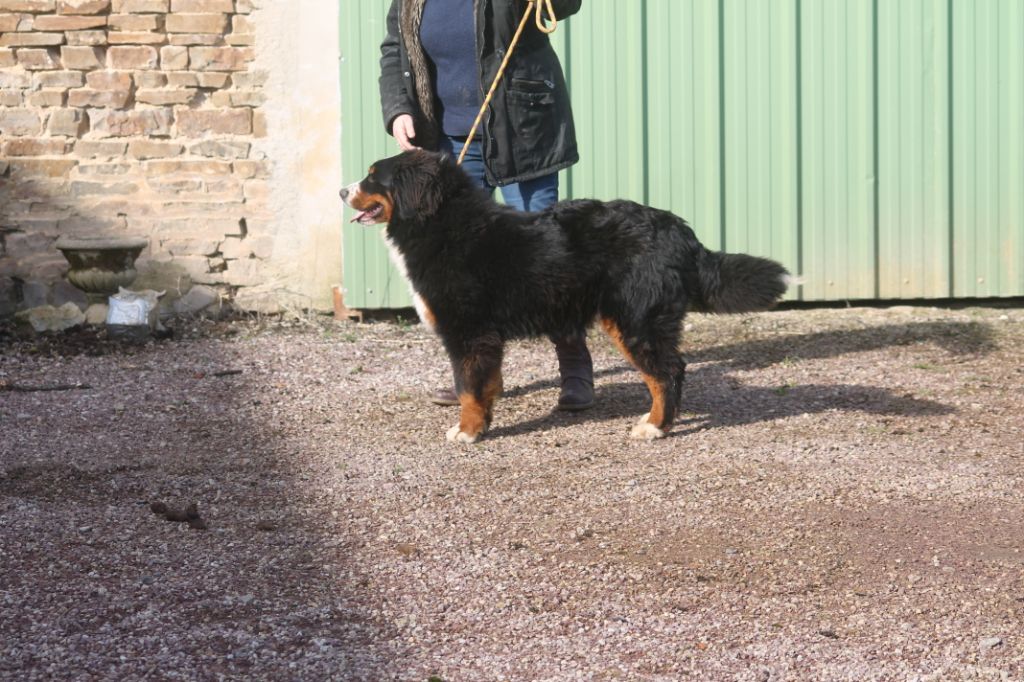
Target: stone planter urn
99,265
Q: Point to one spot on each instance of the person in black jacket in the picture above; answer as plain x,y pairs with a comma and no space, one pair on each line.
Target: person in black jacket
437,61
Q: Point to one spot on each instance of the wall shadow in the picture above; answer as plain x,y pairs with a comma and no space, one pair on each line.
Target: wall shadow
95,585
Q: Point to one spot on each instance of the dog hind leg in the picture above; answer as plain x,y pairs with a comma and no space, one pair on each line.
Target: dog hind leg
656,355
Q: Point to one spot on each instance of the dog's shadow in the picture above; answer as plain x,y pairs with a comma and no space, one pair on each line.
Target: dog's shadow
712,398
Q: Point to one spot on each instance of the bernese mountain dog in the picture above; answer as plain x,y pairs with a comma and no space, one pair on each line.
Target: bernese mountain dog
483,273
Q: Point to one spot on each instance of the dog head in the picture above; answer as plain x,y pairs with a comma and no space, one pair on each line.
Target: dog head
405,187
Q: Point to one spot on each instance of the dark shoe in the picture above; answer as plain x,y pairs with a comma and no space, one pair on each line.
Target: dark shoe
444,396
577,372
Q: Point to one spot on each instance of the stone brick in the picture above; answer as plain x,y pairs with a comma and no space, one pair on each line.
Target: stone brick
191,39
225,186
135,22
245,272
35,146
98,221
173,58
20,39
82,58
174,185
28,243
28,5
249,80
220,58
10,22
59,79
41,168
242,24
49,97
196,23
238,98
109,80
182,79
251,169
38,60
217,149
257,190
112,123
128,6
20,122
68,122
82,188
214,79
100,149
164,97
68,23
197,123
240,39
83,6
7,58
259,124
86,37
13,80
131,57
202,6
186,166
11,98
88,97
150,79
103,169
194,246
149,149
136,38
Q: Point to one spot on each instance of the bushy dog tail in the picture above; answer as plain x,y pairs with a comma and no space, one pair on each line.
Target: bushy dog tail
738,283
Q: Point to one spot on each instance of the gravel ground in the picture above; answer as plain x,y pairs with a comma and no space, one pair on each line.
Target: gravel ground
840,500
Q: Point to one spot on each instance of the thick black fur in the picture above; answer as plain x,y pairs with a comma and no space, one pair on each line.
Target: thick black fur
489,273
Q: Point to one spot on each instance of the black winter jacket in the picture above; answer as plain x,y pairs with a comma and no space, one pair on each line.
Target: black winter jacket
528,128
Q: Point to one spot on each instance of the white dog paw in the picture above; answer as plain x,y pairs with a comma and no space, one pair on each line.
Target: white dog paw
455,435
643,419
646,431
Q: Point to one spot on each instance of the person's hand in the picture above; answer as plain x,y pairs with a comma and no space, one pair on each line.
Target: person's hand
404,131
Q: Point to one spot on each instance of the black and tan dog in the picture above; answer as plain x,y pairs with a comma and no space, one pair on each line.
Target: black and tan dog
483,273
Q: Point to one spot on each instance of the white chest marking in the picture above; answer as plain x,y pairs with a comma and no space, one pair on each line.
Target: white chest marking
421,307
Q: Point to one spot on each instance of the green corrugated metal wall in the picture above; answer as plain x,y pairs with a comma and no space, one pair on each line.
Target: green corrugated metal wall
874,146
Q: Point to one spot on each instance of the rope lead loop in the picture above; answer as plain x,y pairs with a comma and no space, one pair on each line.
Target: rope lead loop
539,6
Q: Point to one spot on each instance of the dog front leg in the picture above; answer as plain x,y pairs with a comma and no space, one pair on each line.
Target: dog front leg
478,383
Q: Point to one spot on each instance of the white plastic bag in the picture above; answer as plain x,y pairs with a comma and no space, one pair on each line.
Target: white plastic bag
133,313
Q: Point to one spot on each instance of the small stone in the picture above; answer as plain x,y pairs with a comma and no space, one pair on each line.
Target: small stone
990,643
407,550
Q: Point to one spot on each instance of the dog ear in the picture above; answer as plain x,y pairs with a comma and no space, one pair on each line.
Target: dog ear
418,190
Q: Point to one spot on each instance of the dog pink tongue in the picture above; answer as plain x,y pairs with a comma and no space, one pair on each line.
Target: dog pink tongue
359,216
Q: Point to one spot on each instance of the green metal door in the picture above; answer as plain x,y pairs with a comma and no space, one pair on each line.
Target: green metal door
875,147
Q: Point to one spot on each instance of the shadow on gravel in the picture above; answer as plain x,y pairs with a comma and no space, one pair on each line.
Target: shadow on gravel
720,401
94,584
957,338
724,401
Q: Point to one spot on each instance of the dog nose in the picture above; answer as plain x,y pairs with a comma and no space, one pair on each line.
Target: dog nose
343,193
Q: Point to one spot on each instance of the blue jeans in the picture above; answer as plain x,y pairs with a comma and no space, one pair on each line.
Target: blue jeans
531,195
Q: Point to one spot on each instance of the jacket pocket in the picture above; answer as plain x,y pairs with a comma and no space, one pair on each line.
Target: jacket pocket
533,115
531,93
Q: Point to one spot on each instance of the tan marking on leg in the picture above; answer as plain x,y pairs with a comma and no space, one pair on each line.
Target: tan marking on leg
657,414
613,332
476,415
651,424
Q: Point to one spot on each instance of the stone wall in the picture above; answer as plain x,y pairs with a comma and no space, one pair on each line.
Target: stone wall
139,118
